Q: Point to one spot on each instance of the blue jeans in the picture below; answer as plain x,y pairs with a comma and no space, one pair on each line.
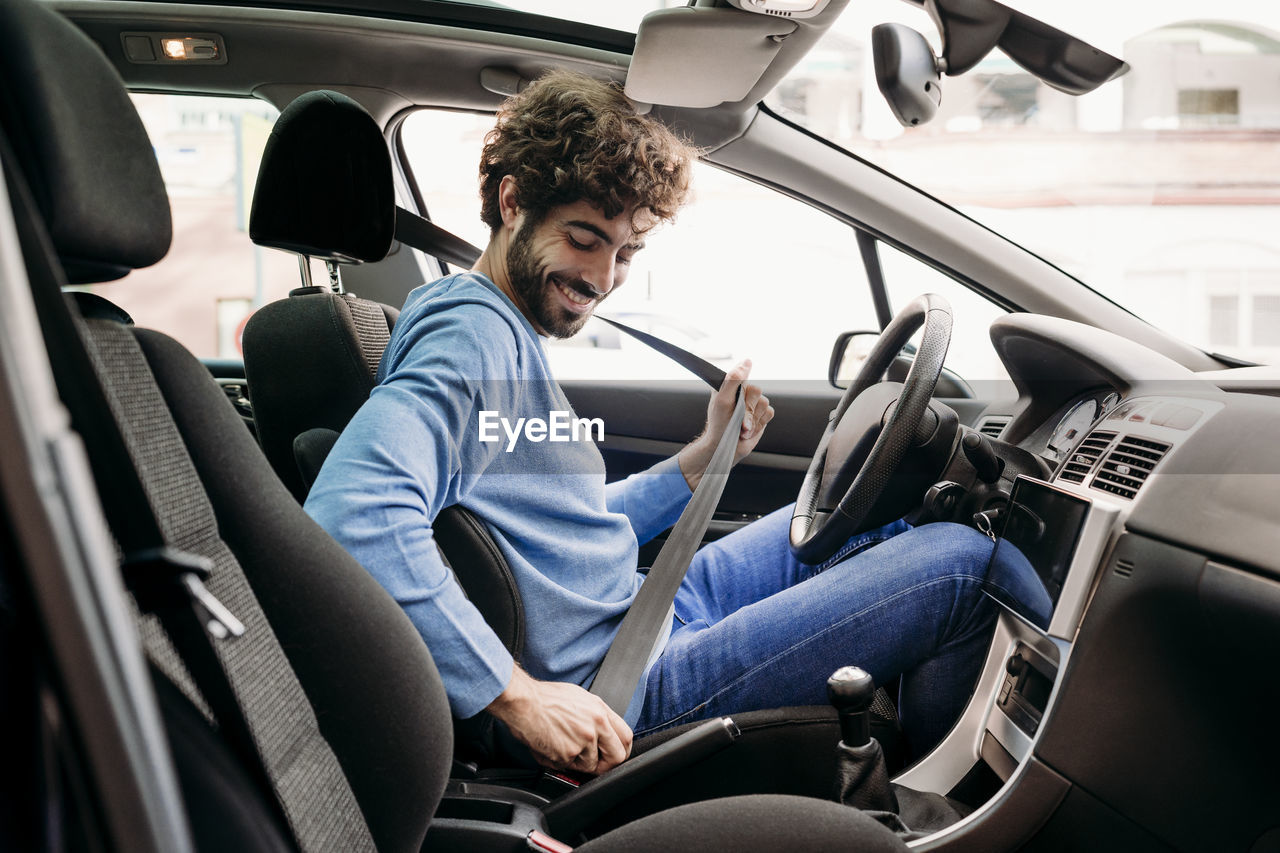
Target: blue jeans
757,629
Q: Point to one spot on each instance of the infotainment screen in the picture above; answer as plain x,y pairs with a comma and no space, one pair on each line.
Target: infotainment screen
1035,539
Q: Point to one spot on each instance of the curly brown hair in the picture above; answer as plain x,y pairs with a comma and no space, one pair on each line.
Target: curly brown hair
570,137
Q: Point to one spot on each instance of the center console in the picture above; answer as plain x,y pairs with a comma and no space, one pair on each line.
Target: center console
491,818
1048,542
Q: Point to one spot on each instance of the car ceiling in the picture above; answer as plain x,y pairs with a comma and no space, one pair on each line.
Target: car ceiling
434,59
276,54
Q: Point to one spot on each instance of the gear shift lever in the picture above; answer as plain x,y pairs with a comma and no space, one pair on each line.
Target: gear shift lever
862,779
851,690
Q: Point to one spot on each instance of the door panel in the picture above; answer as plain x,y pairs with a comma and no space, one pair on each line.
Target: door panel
229,374
645,423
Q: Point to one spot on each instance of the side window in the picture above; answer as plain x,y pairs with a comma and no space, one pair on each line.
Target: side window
744,271
213,277
970,354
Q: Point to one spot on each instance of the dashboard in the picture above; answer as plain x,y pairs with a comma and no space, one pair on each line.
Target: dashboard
1187,457
1160,501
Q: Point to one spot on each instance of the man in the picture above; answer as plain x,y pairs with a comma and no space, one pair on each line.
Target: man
572,179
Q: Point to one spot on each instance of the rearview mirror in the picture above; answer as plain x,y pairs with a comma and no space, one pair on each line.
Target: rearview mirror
906,72
850,351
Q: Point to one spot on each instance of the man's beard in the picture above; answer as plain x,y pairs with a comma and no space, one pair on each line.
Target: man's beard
529,282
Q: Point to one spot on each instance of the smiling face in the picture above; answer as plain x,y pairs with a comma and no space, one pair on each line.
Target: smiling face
559,268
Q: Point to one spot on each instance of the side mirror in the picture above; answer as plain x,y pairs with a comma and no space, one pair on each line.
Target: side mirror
850,351
852,348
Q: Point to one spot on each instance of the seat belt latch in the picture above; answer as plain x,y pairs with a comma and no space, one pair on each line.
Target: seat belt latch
543,843
166,577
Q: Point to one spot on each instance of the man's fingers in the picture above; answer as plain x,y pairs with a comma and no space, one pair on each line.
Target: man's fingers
734,378
611,752
615,744
625,735
586,761
763,419
757,404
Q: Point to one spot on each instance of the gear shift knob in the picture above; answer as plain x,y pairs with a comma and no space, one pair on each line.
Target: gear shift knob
851,690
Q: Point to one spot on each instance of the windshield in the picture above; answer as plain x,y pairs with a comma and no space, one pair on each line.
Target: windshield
1159,189
622,15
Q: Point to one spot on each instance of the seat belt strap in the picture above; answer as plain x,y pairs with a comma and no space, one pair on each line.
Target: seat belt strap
423,234
649,615
698,366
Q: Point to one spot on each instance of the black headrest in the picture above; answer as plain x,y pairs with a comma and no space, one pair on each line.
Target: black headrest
324,186
80,145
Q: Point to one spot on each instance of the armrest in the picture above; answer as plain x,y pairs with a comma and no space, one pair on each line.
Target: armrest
569,814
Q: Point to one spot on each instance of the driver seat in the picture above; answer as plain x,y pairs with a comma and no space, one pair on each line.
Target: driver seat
312,359
324,190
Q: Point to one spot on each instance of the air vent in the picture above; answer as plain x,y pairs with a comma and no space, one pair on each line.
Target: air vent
1127,466
1085,456
1124,568
993,425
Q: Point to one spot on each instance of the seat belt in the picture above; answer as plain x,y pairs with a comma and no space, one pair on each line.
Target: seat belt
136,453
619,676
424,235
650,614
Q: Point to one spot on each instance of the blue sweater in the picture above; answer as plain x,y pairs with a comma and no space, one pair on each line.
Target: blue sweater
462,357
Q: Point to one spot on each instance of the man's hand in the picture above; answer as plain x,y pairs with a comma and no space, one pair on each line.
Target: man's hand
564,726
696,455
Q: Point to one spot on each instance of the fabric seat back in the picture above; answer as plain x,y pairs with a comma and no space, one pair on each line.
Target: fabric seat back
100,203
310,362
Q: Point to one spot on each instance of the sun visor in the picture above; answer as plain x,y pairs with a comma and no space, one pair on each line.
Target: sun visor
697,56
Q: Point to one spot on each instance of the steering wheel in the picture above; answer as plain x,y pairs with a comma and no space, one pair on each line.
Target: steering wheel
870,432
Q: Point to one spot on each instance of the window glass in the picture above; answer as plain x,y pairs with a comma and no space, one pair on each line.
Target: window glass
213,276
1153,189
744,271
1224,314
970,354
1266,320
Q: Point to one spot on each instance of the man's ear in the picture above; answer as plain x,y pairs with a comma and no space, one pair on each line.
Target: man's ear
507,206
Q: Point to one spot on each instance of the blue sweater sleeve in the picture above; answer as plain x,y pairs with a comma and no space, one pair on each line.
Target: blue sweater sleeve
401,460
651,500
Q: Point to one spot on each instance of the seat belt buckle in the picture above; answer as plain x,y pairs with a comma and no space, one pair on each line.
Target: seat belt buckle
167,577
543,843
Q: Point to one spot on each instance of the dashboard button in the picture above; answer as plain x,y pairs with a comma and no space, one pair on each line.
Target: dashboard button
1176,417
1122,412
1141,414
